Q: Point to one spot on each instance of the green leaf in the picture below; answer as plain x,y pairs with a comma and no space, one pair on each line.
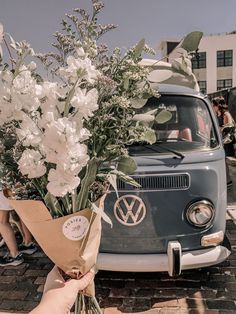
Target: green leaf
112,179
53,204
163,116
139,48
126,165
148,136
191,41
101,212
89,178
126,83
127,179
138,102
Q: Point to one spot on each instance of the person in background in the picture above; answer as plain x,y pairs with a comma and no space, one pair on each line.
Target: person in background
60,295
217,111
226,126
15,255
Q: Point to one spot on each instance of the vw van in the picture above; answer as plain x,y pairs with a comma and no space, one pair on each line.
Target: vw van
176,219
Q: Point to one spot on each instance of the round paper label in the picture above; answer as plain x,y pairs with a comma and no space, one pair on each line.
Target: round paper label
75,228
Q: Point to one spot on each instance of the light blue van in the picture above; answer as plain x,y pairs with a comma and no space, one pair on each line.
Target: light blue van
176,220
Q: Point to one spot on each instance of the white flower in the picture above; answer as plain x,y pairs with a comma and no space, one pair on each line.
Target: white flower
61,145
25,101
80,51
79,69
83,134
31,164
61,182
54,140
6,76
24,82
24,91
85,102
32,66
28,133
74,158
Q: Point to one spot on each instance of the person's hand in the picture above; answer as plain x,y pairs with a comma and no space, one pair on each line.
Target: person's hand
59,295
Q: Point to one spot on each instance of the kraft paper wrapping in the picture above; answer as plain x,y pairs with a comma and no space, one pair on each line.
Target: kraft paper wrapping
71,242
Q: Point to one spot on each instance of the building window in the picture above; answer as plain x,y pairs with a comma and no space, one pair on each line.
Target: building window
221,84
171,45
199,60
202,86
224,58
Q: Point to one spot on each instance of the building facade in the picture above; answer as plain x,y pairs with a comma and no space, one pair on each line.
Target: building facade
215,63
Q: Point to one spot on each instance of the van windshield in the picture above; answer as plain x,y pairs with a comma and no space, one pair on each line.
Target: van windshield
181,123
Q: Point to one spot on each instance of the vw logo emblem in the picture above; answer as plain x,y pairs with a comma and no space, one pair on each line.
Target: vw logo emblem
129,210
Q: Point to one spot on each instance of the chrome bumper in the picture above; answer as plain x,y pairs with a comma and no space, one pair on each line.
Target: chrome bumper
172,262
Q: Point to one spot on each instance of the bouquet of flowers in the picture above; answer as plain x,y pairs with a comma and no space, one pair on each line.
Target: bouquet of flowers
67,135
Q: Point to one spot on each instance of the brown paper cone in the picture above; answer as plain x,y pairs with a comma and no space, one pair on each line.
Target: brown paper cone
71,241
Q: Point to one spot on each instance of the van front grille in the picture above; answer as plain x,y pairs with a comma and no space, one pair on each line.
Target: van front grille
179,181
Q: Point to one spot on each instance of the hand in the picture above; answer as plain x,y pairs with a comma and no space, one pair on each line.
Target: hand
59,295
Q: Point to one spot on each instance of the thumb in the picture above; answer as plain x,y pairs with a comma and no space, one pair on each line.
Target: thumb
80,284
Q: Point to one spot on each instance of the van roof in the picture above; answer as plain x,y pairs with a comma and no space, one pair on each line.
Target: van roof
170,75
176,89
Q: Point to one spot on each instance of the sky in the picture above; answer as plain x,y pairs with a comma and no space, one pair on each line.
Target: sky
36,20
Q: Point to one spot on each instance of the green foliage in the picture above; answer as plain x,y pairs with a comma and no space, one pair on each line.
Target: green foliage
126,165
191,41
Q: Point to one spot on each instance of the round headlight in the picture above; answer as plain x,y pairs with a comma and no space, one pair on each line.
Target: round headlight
200,213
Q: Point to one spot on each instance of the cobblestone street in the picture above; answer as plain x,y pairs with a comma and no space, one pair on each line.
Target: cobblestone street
210,290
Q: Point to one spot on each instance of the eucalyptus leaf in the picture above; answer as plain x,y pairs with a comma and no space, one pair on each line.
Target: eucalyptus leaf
148,136
159,75
191,41
138,103
126,164
163,116
139,48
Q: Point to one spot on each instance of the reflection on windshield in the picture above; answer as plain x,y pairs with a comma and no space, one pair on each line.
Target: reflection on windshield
181,124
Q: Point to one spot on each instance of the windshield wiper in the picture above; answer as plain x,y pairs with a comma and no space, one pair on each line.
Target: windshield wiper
150,146
170,150
163,148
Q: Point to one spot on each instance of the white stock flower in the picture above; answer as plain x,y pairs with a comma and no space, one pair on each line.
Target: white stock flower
24,82
7,112
61,182
25,91
31,164
85,102
80,51
61,146
31,66
79,67
28,133
6,76
25,101
54,139
74,158
83,134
